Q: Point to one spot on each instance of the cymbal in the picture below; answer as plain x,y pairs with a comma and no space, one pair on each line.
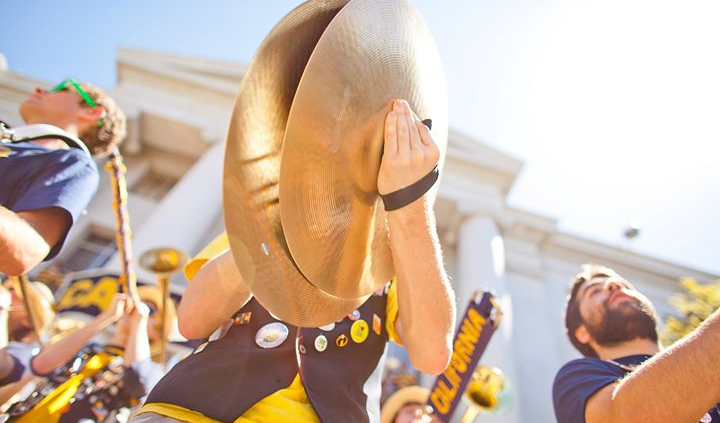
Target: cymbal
252,169
373,51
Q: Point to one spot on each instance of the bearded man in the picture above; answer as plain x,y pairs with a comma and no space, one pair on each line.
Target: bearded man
625,375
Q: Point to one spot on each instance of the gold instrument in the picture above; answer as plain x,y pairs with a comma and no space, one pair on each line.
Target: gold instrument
22,286
307,131
117,170
487,391
163,262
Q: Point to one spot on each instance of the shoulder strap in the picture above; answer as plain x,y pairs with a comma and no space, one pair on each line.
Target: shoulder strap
38,131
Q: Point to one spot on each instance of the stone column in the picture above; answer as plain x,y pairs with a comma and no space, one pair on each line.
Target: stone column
481,264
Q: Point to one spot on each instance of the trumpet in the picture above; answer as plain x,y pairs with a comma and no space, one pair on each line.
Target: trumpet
487,391
163,262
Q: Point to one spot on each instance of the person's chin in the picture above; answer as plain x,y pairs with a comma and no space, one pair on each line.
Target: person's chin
626,303
29,109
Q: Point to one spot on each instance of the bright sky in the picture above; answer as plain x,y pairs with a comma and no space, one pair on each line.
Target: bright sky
613,105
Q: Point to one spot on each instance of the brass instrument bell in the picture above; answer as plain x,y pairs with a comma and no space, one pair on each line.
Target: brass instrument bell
487,391
163,260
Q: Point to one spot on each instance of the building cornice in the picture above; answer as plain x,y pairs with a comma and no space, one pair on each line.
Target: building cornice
212,81
530,235
481,162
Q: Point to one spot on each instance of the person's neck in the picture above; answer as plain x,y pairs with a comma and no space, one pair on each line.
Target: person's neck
636,346
54,143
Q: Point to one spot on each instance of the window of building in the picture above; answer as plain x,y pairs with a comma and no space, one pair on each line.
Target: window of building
153,185
91,252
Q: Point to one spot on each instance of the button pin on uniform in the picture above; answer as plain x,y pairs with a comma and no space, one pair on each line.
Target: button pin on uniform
359,331
271,335
321,343
377,324
242,318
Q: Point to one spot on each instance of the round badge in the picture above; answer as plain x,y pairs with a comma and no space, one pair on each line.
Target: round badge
321,343
359,331
341,341
706,418
327,328
271,335
354,315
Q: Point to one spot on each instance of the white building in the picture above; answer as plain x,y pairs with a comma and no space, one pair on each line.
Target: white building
178,109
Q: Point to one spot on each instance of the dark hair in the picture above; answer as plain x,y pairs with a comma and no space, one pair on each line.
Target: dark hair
573,318
101,140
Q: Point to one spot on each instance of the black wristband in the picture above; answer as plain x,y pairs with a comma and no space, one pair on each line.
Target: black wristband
403,197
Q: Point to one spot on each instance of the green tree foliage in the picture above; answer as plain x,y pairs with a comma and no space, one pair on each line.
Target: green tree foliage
693,306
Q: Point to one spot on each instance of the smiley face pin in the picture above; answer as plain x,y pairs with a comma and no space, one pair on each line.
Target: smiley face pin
359,331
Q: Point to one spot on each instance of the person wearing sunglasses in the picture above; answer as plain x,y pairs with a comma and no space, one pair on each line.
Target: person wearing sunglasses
47,174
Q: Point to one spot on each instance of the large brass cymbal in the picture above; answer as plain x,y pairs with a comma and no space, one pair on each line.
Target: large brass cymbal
252,168
373,51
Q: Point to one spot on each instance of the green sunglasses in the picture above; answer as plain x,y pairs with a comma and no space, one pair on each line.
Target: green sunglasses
86,97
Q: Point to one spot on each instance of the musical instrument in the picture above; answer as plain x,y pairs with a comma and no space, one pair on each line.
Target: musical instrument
117,170
163,262
488,391
307,133
21,286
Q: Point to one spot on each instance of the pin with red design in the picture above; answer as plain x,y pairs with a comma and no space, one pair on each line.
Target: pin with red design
242,318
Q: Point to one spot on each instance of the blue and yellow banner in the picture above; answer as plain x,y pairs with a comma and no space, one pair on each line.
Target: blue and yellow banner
476,327
90,292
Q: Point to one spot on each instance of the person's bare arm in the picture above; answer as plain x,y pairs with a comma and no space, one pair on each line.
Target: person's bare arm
137,347
679,384
7,364
26,238
215,293
59,352
426,302
5,304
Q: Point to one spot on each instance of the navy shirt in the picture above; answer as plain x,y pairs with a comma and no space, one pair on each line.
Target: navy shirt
34,177
579,379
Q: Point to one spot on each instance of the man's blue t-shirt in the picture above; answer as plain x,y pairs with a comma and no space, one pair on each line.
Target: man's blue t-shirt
34,177
579,379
